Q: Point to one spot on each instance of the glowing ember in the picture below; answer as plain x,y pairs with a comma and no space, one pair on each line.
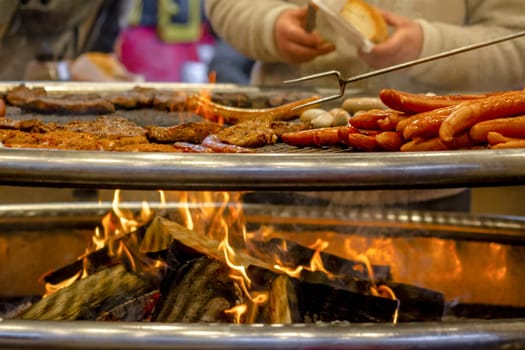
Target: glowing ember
497,269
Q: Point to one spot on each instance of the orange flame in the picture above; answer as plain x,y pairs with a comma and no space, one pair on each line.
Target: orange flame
237,311
52,288
316,263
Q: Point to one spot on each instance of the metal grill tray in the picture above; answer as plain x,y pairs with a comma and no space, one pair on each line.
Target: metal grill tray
277,167
273,171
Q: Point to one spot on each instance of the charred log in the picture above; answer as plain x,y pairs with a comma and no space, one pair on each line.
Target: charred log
91,263
319,302
199,291
418,304
483,311
283,303
295,255
135,310
88,298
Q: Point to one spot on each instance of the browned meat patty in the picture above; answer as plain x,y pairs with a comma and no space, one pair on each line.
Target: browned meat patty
37,100
19,96
188,132
257,132
138,97
106,127
169,100
68,105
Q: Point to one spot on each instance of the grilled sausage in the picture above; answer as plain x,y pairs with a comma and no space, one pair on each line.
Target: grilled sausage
445,111
313,137
426,126
518,143
327,137
470,113
390,123
214,111
510,127
390,141
418,103
493,138
369,120
423,145
362,142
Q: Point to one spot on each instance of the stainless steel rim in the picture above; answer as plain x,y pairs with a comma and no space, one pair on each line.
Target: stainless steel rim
277,171
99,335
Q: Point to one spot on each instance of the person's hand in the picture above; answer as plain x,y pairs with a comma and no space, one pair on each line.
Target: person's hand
294,43
403,45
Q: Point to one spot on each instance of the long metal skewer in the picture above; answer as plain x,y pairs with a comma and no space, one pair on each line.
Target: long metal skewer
344,82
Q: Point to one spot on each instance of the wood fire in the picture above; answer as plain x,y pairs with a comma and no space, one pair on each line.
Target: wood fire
203,263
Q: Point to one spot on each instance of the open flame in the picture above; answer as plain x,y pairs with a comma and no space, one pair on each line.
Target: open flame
219,215
115,224
238,273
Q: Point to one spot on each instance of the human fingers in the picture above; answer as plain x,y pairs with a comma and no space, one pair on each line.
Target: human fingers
296,53
293,42
290,26
403,45
393,19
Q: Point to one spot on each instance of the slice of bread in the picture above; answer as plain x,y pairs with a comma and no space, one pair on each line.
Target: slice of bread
365,19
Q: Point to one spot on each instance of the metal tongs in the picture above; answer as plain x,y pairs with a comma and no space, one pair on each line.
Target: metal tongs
344,82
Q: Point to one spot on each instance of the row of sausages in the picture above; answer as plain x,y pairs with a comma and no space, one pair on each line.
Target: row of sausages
417,122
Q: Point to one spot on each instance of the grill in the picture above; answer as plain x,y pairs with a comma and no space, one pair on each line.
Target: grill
476,324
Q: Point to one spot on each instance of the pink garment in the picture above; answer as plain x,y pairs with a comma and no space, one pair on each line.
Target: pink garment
142,52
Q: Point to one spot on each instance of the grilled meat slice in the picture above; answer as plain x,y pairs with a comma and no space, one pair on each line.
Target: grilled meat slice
102,134
169,100
147,147
71,105
69,140
257,132
9,124
37,100
35,125
138,97
281,128
230,99
188,132
107,126
19,96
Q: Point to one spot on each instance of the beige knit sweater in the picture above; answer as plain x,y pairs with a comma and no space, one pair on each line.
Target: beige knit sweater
446,24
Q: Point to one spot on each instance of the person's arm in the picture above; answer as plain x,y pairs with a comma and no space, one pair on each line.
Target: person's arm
266,30
498,67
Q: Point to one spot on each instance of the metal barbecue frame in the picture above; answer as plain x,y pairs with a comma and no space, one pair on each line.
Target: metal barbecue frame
505,334
265,171
270,171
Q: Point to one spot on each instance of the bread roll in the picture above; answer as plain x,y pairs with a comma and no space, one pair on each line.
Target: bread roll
366,19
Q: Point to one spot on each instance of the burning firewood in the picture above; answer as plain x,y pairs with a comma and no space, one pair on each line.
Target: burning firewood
418,304
134,310
200,291
87,298
283,305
